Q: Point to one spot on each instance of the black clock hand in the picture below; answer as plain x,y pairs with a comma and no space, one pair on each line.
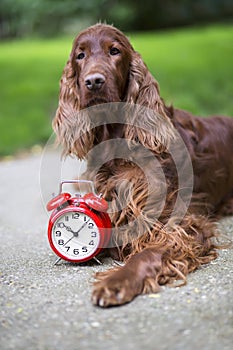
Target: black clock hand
68,228
69,240
77,232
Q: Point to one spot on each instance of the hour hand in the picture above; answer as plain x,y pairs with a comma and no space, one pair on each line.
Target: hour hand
68,228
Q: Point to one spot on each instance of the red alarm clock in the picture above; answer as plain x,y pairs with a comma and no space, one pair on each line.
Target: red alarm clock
79,226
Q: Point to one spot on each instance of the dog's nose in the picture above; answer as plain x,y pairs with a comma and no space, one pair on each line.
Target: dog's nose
94,81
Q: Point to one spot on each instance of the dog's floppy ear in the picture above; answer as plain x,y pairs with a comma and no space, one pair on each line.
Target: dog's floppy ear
74,139
154,130
68,106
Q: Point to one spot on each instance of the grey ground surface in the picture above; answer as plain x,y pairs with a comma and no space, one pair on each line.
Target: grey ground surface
44,306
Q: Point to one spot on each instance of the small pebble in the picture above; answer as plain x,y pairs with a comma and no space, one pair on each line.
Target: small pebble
95,324
157,295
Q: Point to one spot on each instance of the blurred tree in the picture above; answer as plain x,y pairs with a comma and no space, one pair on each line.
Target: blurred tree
51,17
46,17
11,17
151,14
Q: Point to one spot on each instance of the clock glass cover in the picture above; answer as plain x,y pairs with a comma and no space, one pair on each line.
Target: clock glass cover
75,236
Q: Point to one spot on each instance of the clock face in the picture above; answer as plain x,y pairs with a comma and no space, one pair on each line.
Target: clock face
75,236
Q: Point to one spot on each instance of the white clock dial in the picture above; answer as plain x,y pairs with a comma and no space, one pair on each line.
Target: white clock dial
75,235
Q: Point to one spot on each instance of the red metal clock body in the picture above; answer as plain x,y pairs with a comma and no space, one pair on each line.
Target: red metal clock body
79,226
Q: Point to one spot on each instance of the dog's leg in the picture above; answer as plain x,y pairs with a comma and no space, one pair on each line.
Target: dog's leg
121,285
178,251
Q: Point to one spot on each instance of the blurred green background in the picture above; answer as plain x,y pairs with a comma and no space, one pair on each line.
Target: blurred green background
186,44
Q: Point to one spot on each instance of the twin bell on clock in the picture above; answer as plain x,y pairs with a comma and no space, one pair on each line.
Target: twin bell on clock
79,226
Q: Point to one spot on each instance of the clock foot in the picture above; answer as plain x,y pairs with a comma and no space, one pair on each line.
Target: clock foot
57,261
98,261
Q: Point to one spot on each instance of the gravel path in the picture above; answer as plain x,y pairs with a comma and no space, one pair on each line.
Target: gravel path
47,307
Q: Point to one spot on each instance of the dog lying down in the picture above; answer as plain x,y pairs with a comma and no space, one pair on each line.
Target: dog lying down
167,174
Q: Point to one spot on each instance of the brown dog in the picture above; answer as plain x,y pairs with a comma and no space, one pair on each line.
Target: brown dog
138,167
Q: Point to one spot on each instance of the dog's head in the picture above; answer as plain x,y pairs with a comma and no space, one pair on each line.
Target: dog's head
103,67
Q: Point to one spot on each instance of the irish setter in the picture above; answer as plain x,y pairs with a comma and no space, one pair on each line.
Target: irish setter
166,174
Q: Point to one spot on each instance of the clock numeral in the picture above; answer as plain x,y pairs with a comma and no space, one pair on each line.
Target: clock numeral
66,218
67,248
91,242
60,225
85,218
75,215
76,251
84,249
93,234
58,233
90,225
61,242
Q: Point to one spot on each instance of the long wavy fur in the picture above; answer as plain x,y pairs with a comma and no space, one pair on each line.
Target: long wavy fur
181,244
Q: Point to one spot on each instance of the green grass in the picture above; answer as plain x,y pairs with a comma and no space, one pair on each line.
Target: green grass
193,67
30,73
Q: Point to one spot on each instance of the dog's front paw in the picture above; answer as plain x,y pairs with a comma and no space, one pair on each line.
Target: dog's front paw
113,290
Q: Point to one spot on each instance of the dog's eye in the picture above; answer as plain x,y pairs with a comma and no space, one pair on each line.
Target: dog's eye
114,51
80,56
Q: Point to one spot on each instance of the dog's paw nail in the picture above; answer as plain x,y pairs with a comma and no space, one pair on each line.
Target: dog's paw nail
101,302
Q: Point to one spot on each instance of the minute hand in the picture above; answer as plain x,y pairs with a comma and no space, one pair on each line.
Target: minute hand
77,232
